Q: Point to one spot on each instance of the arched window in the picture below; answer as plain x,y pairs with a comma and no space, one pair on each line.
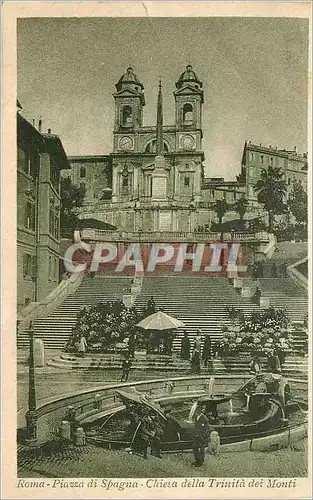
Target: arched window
187,113
151,147
127,116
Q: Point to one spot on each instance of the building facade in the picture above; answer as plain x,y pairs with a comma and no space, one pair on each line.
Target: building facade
40,158
257,157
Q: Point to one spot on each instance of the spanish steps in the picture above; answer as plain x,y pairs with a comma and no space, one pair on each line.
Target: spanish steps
199,301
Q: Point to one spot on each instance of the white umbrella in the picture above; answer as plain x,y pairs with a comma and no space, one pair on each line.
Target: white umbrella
160,321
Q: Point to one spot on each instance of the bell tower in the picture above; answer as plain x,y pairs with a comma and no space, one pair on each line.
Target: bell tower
188,103
129,101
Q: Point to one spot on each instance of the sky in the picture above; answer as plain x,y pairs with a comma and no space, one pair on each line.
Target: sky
254,73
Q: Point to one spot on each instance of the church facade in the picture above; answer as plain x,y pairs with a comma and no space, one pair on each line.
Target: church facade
153,180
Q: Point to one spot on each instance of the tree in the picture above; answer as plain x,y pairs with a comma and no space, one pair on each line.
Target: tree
241,207
220,208
298,203
271,189
72,197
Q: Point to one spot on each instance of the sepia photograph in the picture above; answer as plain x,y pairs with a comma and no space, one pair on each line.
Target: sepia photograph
162,284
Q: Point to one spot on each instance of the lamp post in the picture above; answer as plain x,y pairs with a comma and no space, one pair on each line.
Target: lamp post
31,415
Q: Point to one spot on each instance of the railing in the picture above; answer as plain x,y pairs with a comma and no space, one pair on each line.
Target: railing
298,277
171,236
48,304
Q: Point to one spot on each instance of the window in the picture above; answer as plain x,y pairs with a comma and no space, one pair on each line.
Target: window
212,193
30,215
54,176
29,266
82,172
262,159
251,156
34,163
271,161
151,147
54,220
225,195
187,181
127,116
187,113
125,181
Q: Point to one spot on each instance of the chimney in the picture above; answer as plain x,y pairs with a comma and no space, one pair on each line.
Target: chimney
249,142
270,146
39,124
276,148
34,122
260,143
295,149
49,130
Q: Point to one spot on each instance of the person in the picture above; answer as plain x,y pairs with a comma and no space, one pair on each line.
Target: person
131,345
256,296
206,352
145,434
156,435
200,438
198,340
185,346
195,360
126,365
255,366
274,271
151,306
82,346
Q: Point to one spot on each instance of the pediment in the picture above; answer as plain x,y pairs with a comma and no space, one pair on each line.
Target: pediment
127,93
187,90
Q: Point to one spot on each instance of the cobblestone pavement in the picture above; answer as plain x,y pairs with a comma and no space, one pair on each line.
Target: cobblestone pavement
42,459
56,460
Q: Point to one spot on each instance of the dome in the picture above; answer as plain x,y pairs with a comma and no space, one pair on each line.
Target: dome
188,76
129,78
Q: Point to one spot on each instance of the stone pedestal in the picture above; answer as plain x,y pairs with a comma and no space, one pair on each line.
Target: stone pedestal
80,437
238,283
264,302
65,430
246,292
98,402
39,353
127,300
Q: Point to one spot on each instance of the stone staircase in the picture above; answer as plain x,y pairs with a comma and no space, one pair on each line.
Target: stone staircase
294,366
56,328
282,293
198,301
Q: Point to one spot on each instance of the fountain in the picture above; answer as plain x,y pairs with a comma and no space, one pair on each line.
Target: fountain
248,401
211,386
235,417
192,412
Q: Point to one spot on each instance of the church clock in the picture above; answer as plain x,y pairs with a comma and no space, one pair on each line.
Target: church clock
187,142
126,143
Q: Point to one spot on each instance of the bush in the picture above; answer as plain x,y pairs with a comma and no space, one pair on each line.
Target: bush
265,333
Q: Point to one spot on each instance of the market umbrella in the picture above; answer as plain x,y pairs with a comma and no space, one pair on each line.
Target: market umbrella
160,321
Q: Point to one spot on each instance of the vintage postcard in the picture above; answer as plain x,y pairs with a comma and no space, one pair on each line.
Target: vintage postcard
156,192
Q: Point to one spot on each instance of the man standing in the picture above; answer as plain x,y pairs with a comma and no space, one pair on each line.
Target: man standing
202,432
157,432
126,365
